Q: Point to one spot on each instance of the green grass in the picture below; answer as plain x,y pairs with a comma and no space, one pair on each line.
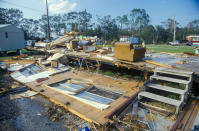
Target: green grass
171,49
164,48
14,53
24,51
107,73
5,57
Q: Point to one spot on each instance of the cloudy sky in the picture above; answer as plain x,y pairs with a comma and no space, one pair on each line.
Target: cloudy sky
159,10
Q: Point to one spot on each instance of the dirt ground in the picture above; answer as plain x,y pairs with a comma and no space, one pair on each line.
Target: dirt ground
35,113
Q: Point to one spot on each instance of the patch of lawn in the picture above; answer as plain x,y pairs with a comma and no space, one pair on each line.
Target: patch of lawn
5,57
170,49
138,78
25,51
127,76
109,73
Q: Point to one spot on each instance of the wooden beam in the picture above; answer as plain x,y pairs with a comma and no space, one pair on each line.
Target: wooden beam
10,61
192,54
122,106
158,64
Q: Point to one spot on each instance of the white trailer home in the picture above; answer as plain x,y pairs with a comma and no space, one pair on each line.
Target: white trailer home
11,38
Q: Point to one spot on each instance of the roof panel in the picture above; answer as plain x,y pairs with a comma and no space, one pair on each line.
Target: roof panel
4,25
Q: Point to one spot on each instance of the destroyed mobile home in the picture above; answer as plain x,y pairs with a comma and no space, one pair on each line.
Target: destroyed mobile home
163,102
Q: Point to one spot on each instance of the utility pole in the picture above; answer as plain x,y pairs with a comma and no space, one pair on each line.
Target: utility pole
174,29
85,22
48,25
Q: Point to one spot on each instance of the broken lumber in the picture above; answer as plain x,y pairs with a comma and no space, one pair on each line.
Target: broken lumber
191,54
123,105
158,64
10,61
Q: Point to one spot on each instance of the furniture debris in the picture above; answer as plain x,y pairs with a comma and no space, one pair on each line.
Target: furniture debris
127,52
54,64
72,45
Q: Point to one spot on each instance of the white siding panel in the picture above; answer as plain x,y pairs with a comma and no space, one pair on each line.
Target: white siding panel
10,28
14,41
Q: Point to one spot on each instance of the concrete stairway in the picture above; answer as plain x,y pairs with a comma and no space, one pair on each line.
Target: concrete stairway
158,89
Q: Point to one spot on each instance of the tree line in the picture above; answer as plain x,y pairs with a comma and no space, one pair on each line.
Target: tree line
136,23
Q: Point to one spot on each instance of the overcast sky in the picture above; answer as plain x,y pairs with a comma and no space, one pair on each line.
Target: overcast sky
159,10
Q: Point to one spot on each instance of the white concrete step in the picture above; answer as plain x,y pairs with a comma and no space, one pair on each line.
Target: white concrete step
166,88
170,79
174,71
159,98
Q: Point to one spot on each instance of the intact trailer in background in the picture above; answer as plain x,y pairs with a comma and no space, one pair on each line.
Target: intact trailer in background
193,40
11,38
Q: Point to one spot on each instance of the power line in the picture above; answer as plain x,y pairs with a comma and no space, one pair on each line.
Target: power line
22,6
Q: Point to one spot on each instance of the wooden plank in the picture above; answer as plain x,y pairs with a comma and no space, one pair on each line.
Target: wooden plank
19,61
158,64
184,116
188,73
170,79
154,109
160,98
123,105
192,54
191,118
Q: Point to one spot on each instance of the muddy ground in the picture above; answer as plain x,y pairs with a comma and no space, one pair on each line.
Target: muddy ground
35,113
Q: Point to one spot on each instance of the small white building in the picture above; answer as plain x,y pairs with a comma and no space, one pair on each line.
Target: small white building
11,38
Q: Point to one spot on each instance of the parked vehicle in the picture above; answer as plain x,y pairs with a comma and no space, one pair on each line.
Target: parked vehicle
189,43
176,42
